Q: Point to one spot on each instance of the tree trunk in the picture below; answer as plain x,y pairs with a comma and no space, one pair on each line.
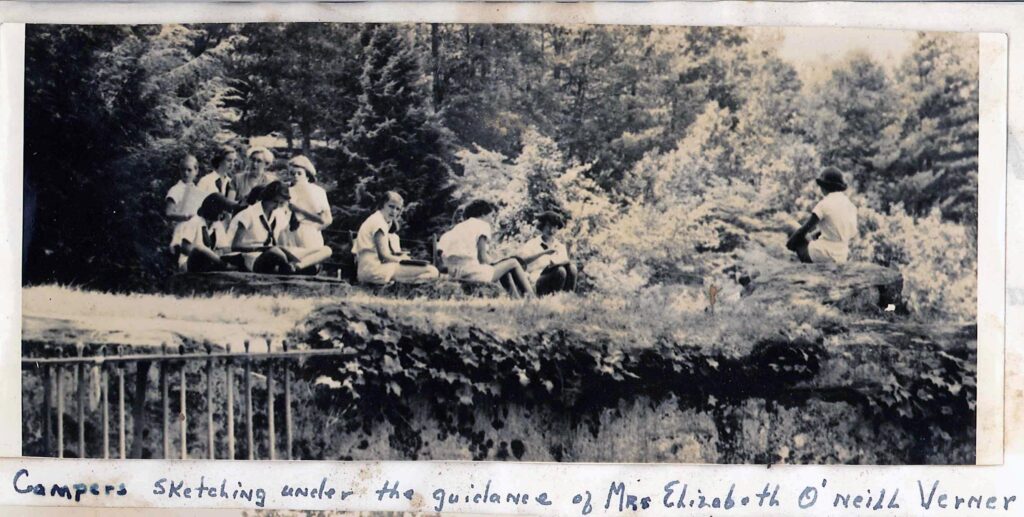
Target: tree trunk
304,127
435,61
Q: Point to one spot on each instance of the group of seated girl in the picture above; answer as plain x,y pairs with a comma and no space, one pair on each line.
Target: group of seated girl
250,221
541,266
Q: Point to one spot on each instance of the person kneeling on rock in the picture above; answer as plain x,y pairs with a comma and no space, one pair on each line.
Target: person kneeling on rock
835,216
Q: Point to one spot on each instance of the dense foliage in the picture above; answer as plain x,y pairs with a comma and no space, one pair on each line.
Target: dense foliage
397,362
648,138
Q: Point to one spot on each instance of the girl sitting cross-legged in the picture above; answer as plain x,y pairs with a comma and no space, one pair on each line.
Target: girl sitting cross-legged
257,230
195,241
308,213
464,250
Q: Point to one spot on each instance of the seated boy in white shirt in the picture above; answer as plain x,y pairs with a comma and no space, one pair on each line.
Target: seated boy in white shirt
836,218
546,259
464,250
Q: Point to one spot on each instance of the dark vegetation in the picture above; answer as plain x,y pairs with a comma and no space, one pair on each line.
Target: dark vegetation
110,110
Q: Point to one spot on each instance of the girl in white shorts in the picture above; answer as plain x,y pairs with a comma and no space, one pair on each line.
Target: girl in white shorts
835,216
464,250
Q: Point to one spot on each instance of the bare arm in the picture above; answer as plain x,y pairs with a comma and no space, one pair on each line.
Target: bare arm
801,233
323,218
380,241
530,258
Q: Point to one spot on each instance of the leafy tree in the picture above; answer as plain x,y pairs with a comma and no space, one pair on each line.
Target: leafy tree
854,110
294,78
936,155
109,113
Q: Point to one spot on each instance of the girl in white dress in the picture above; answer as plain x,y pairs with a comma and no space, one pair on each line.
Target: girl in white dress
309,213
464,250
184,198
376,260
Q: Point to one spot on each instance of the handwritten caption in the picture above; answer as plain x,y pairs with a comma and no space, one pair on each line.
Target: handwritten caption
615,498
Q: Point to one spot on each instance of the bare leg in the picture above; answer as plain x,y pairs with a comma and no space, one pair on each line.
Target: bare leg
415,274
521,281
273,260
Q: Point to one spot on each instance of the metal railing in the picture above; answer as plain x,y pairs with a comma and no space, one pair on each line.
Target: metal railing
53,371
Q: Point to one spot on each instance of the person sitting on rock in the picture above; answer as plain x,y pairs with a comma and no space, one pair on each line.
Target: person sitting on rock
308,214
197,241
835,216
546,259
376,263
464,250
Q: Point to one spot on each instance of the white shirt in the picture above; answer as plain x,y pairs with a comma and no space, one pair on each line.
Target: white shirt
187,198
208,183
253,230
837,218
535,246
191,231
222,235
462,239
364,239
309,197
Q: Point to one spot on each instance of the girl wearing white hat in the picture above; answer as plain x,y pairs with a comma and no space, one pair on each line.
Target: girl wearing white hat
310,213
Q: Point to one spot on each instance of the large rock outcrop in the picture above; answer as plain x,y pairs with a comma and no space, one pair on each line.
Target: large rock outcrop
855,287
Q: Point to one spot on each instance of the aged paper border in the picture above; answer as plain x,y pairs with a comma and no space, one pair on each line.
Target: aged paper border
993,202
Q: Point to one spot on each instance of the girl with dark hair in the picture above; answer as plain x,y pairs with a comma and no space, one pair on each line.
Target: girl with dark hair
836,218
257,230
195,242
219,180
464,250
547,259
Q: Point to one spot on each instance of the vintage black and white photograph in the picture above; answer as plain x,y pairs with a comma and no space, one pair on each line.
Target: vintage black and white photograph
501,242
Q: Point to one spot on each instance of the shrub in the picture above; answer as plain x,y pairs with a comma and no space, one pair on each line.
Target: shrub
938,259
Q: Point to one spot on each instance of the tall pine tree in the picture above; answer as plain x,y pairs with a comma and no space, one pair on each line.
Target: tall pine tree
937,164
394,140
